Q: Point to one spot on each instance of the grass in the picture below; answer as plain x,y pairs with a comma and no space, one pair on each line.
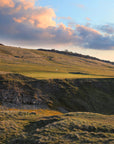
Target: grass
13,121
79,128
57,92
52,75
45,65
52,127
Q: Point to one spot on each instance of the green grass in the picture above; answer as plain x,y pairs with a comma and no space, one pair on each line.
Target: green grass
51,127
46,65
52,75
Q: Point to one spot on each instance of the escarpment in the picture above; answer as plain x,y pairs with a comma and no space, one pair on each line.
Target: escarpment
90,95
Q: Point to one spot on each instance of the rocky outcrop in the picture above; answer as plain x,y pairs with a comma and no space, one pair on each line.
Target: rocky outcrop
93,95
15,89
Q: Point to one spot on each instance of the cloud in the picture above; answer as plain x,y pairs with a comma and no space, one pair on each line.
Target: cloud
107,28
6,3
24,24
88,19
80,6
65,18
22,19
93,39
41,18
87,31
27,4
24,11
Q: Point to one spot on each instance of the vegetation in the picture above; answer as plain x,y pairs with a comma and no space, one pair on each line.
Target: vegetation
90,95
14,121
66,52
42,64
35,127
38,86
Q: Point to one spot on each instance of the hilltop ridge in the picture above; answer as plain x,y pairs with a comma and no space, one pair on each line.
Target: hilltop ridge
66,52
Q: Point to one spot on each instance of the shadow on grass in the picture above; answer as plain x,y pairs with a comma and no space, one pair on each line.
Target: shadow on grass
41,123
30,130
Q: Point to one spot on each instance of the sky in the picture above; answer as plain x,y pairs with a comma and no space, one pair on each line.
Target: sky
82,26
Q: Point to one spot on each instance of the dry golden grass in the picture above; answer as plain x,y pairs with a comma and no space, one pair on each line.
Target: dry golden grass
40,112
44,126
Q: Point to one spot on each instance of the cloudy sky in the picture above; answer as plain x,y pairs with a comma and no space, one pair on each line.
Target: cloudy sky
83,26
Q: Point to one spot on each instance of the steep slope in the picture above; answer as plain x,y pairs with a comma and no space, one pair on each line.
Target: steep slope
42,64
90,95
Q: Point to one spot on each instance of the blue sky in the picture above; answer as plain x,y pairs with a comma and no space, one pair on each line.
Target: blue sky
83,26
99,11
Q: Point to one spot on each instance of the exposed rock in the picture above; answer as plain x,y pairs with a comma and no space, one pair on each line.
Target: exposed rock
92,95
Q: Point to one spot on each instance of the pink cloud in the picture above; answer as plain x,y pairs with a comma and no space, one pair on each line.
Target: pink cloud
87,18
27,4
81,6
22,19
25,11
65,18
44,18
66,29
87,29
7,3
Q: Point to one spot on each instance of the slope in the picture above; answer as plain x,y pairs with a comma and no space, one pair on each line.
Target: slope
89,95
48,64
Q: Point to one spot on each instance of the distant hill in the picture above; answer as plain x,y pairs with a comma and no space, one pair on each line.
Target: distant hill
51,64
77,54
1,44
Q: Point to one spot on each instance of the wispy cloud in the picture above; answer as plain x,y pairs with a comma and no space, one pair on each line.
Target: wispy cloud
65,18
80,6
88,19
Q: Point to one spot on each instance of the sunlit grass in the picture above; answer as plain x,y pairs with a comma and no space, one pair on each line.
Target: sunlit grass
46,126
38,112
14,121
51,75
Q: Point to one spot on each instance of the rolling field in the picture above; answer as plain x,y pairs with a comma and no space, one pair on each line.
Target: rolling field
51,65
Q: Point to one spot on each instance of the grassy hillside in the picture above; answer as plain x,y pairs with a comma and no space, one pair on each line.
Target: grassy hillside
35,127
49,64
93,95
57,82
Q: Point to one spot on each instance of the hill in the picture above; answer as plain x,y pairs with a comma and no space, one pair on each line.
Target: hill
44,64
66,52
38,86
